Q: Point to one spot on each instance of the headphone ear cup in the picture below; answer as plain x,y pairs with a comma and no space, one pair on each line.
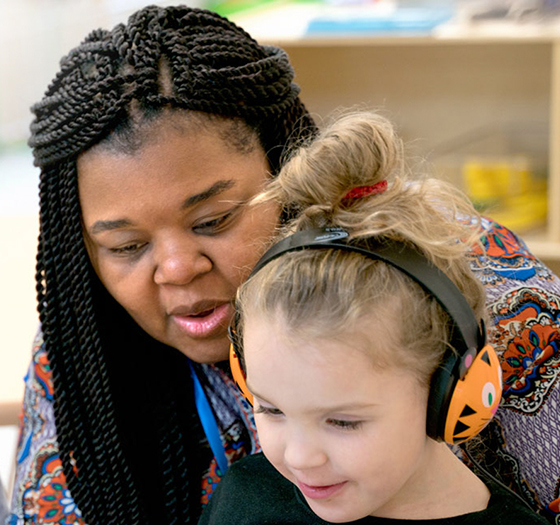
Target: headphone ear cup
475,398
458,409
441,390
238,374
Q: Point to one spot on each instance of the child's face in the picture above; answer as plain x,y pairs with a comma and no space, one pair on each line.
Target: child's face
350,436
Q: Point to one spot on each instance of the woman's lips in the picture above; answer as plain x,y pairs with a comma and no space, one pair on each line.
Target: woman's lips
205,323
319,492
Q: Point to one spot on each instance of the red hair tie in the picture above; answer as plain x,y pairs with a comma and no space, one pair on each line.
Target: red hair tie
364,191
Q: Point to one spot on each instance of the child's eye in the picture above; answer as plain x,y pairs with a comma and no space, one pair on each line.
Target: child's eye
344,425
269,411
129,249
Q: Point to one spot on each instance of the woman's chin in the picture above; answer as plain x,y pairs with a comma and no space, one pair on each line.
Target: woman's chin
205,352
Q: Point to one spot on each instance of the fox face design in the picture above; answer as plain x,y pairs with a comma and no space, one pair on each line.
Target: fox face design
476,397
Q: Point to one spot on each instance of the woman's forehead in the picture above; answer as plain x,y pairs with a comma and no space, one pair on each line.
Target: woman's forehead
173,166
138,130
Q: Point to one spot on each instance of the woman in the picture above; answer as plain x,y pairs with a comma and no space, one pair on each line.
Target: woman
150,140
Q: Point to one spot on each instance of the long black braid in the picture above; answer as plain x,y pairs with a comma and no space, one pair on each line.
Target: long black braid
131,445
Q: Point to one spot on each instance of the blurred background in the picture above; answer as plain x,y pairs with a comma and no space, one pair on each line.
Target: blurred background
473,85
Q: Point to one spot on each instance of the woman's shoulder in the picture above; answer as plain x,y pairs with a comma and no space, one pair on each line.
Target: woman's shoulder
504,254
40,491
39,376
523,304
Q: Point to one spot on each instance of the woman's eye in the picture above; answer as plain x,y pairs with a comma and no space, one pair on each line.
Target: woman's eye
129,249
212,226
344,425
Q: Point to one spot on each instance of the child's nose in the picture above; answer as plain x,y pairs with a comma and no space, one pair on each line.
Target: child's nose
303,452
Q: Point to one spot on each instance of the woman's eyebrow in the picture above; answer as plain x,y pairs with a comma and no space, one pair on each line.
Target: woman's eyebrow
103,226
215,189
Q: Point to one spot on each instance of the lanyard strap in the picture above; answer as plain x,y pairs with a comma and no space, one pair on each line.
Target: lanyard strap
208,421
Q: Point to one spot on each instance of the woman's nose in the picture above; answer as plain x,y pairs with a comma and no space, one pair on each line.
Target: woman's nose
178,262
303,452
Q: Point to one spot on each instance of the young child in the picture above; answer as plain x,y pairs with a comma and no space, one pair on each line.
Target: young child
362,338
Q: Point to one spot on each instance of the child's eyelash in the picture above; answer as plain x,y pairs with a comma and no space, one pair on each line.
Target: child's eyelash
344,425
339,424
270,411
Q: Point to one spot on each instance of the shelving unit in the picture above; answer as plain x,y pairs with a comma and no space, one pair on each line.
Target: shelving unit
443,92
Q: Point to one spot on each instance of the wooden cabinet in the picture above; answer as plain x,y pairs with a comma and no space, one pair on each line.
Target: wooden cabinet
450,97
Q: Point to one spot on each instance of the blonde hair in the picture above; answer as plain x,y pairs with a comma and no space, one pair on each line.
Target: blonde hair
330,293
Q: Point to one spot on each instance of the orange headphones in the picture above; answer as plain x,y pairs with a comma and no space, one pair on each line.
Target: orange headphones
466,389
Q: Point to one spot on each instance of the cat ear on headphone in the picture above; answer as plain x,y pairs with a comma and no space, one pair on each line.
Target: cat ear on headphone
238,374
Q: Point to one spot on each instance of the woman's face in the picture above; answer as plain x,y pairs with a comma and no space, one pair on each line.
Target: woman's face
169,233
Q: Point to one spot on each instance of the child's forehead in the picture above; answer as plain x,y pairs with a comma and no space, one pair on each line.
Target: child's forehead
375,340
325,377
357,350
322,375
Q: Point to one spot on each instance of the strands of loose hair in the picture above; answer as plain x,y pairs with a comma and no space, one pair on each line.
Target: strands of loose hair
176,59
331,293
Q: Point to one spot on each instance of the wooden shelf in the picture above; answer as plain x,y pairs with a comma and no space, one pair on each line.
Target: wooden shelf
546,250
409,40
9,412
443,88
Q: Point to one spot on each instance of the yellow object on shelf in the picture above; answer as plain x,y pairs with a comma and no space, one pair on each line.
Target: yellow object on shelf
507,190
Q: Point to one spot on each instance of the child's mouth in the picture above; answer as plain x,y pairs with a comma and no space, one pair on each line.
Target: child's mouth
320,492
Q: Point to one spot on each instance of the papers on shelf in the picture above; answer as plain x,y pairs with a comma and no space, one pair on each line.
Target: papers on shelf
295,20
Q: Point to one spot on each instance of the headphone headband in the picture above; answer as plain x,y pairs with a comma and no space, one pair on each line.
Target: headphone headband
406,259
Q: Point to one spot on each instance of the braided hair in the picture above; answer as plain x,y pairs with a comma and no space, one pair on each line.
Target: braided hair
131,445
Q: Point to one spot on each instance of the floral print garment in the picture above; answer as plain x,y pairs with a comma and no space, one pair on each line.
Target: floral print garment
521,446
40,493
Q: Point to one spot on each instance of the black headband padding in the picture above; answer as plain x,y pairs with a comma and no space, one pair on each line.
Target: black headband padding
401,256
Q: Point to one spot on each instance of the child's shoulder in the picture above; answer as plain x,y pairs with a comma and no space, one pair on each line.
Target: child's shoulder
253,492
254,463
506,508
255,475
